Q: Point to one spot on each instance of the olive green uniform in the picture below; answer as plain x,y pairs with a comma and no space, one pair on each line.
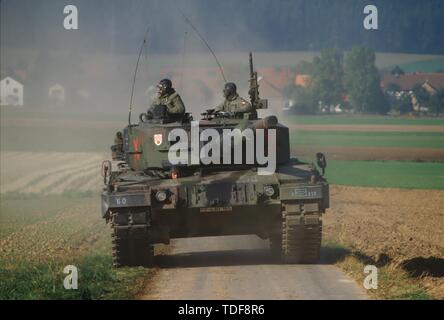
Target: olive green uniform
235,104
172,101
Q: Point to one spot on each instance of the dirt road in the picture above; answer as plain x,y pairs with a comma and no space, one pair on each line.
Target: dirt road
239,267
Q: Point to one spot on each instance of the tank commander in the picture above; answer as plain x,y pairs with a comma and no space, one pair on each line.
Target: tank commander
166,95
233,102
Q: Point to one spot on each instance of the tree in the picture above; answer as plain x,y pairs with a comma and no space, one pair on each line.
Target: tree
302,98
303,67
362,82
434,102
327,80
392,88
422,95
402,104
397,71
437,102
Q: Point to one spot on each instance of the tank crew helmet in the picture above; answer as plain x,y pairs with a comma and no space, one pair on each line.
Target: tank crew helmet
229,89
164,86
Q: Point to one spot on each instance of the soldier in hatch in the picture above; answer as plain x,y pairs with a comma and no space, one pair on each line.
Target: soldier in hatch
166,95
233,102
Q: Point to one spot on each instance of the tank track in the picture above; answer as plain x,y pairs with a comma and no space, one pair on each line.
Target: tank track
299,238
131,240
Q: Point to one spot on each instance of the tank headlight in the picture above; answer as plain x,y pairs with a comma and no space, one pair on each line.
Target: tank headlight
161,196
269,191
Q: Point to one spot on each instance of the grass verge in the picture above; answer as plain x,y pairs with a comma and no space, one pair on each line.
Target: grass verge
393,282
40,235
96,280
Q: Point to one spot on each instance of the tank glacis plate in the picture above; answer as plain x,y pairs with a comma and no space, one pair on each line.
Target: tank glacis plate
285,207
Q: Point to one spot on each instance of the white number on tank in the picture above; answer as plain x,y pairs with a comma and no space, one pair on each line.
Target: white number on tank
121,201
303,193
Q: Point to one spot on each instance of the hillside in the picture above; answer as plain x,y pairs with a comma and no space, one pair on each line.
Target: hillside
285,25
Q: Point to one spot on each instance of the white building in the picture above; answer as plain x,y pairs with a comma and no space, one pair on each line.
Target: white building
11,92
83,93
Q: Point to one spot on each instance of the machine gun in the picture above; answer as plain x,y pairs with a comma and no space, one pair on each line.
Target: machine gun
255,101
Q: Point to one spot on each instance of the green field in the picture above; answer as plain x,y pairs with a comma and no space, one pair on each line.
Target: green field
368,139
393,174
42,235
121,116
433,65
362,120
386,174
382,174
99,139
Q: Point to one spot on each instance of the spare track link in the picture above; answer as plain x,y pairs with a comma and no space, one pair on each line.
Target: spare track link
299,240
131,243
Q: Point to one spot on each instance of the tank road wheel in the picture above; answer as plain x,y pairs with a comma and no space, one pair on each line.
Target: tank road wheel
130,241
300,236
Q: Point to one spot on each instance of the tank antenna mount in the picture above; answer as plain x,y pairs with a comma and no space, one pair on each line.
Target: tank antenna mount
135,75
206,44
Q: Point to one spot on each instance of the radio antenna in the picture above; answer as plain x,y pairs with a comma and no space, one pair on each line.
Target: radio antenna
135,75
183,59
206,43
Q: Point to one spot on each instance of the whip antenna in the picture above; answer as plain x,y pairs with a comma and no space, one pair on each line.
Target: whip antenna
183,59
206,43
135,75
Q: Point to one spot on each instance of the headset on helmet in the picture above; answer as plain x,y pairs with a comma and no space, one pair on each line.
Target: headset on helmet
165,84
229,89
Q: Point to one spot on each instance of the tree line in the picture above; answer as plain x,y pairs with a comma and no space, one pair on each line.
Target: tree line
409,26
353,82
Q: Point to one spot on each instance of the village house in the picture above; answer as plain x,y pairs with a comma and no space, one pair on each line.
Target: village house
56,94
302,80
11,92
404,84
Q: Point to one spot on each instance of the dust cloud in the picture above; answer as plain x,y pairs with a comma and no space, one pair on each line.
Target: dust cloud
89,71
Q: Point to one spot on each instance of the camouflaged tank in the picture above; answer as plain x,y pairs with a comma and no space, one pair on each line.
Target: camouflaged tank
148,200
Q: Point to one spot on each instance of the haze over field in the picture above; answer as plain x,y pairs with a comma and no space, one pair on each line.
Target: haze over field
98,59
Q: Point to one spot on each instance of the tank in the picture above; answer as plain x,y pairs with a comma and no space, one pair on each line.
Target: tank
149,199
